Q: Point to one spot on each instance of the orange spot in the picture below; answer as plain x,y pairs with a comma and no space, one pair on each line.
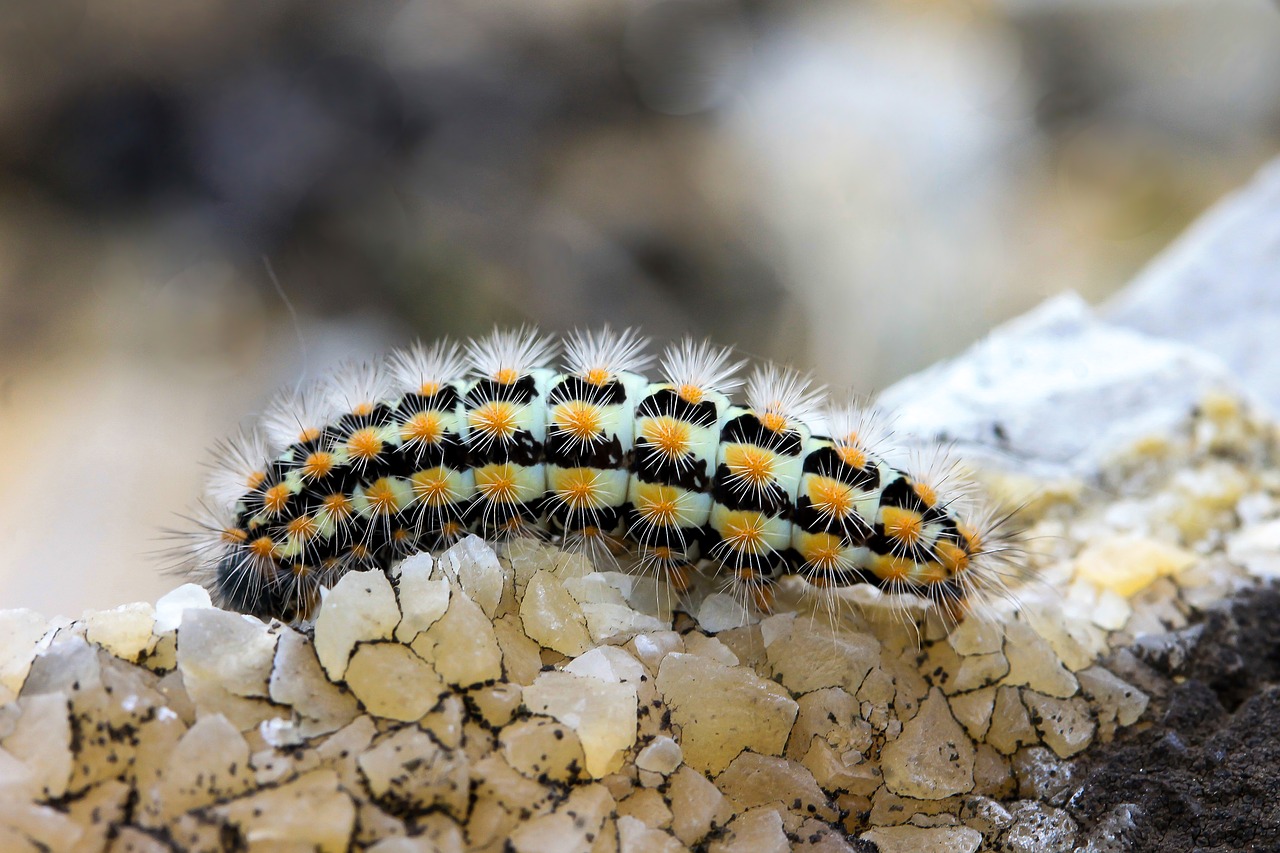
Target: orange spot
578,489
381,495
234,534
579,419
263,548
932,572
452,529
400,535
680,576
275,498
850,453
597,376
318,465
773,421
506,376
744,532
496,419
429,389
659,506
762,597
308,434
824,553
254,480
360,552
925,492
424,427
365,444
497,483
432,487
303,527
902,525
691,393
671,436
337,506
953,558
893,568
831,498
362,409
750,464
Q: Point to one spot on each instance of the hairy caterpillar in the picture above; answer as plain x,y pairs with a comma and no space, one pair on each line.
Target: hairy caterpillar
438,441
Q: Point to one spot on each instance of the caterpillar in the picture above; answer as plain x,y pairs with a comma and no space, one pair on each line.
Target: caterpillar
438,441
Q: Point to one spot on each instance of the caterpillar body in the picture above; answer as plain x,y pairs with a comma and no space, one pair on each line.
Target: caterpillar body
440,441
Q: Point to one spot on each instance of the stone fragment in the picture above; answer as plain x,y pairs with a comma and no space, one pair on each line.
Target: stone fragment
720,612
298,680
977,637
696,805
1065,725
1039,828
647,806
497,704
20,630
521,657
662,755
1113,696
973,710
209,764
97,812
392,682
572,827
409,773
1127,564
635,837
541,748
607,663
759,830
361,607
226,659
933,757
650,648
911,839
976,671
807,659
461,645
602,713
124,631
41,739
1041,774
758,780
1010,724
27,826
423,598
552,617
1032,662
472,564
723,710
311,811
171,606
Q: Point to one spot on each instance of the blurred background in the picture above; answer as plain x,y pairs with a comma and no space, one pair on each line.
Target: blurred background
201,202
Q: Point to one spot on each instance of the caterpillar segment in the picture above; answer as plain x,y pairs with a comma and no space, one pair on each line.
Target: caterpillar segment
444,440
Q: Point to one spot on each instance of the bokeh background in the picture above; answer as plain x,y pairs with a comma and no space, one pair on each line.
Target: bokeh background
200,202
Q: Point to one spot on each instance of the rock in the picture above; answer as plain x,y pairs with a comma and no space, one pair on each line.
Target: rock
393,682
461,645
552,617
361,607
933,757
909,839
602,713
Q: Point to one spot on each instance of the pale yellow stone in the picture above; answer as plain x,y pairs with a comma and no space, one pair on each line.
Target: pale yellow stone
661,755
723,710
809,660
447,724
461,645
95,812
602,713
607,663
41,739
20,631
571,828
552,617
721,612
361,607
423,598
475,567
26,826
341,749
209,764
911,839
1114,696
1076,643
310,810
1034,663
1010,724
842,769
759,830
226,660
647,806
696,643
1065,725
539,746
124,631
1112,611
696,805
753,780
1126,564
977,637
933,757
973,710
635,837
651,647
298,680
393,682
521,657
497,704
402,844
976,671
171,606
407,769
503,798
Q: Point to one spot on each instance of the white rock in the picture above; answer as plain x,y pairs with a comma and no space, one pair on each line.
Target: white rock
20,630
602,713
172,605
125,631
462,645
360,607
662,755
607,663
475,567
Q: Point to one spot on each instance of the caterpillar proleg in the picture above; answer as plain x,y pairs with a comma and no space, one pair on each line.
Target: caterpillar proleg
498,438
